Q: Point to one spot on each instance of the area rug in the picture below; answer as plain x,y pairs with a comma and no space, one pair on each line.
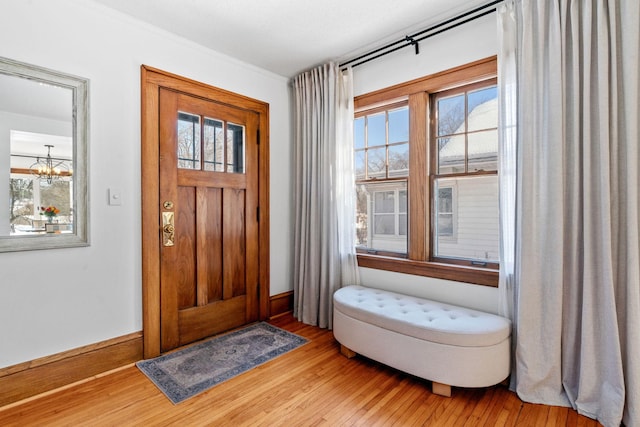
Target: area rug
192,370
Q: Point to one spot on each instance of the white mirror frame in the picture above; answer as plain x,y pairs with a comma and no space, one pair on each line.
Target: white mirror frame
80,117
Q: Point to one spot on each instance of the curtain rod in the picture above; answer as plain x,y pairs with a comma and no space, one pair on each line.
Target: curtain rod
413,41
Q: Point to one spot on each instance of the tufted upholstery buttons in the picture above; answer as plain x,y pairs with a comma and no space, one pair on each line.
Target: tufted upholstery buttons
422,318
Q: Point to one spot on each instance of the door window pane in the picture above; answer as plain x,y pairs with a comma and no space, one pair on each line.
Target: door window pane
188,141
213,145
235,148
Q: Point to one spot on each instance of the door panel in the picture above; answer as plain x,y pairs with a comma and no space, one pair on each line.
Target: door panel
186,247
210,267
209,174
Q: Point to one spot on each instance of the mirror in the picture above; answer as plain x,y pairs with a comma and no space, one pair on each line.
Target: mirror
43,158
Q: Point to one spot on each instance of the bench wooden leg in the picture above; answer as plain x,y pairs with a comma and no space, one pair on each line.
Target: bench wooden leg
441,389
347,352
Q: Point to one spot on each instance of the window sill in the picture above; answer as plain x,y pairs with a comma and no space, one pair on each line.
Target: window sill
473,275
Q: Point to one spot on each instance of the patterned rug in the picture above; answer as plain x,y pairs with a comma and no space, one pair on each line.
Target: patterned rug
192,370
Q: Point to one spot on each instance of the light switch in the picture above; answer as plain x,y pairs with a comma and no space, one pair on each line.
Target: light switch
115,199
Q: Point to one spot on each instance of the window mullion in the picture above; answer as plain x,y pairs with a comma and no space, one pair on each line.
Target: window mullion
418,191
386,144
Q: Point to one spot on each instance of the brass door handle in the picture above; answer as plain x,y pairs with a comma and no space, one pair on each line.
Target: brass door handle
168,230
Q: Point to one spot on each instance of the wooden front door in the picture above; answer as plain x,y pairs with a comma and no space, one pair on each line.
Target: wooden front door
208,238
209,198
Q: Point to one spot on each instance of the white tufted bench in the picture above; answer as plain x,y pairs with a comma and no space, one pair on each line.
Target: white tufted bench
446,344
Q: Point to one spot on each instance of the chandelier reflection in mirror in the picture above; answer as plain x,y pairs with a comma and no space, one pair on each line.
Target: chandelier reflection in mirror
50,168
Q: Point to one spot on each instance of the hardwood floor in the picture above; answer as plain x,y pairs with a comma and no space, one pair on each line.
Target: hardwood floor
311,386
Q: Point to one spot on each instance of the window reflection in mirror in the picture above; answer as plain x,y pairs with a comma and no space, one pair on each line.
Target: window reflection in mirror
43,145
41,182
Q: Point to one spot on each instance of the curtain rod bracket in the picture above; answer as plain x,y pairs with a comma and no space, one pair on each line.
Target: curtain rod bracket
413,41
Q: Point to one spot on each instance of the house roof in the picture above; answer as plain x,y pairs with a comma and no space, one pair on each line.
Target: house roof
482,145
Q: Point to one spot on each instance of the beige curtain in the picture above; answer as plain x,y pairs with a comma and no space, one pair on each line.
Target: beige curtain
324,192
576,293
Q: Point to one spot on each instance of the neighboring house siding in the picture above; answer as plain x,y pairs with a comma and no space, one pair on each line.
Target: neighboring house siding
394,244
476,229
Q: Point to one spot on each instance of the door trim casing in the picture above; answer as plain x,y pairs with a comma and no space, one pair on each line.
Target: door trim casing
152,80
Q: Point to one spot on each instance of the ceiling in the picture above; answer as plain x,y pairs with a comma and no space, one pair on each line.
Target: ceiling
287,37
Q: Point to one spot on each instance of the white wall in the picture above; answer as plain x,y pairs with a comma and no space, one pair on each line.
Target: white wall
56,300
467,43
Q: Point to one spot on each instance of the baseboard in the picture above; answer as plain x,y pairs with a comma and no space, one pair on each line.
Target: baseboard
38,376
41,375
280,304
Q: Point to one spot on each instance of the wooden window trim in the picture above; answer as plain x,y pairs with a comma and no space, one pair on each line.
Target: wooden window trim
418,260
482,69
457,273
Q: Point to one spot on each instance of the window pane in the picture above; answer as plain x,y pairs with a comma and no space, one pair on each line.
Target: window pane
358,132
362,224
402,224
381,216
399,125
235,148
384,224
57,194
376,130
444,212
451,154
483,151
384,202
399,160
21,204
376,162
450,113
471,230
402,201
213,145
360,168
445,200
188,141
483,109
445,225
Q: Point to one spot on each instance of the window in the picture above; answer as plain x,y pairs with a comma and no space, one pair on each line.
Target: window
28,194
381,140
192,140
465,154
428,199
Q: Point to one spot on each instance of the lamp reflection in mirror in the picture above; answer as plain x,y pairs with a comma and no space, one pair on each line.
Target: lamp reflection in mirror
50,168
